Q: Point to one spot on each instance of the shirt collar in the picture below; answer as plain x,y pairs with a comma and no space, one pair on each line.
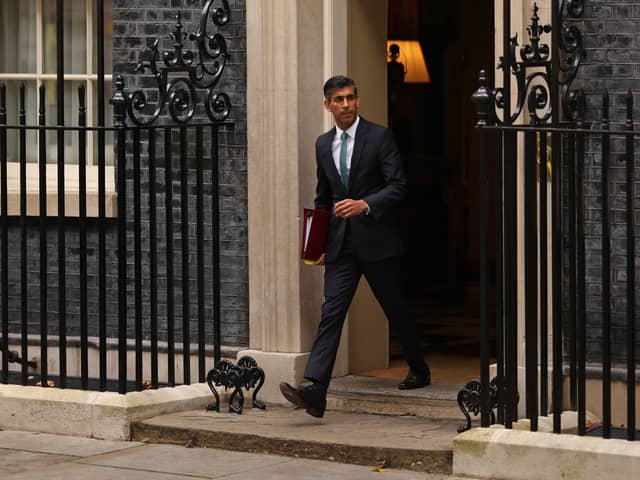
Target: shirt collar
351,131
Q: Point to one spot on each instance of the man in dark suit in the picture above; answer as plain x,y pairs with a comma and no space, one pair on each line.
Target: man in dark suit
361,181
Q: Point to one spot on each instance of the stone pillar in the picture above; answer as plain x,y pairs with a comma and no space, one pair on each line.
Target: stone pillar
285,70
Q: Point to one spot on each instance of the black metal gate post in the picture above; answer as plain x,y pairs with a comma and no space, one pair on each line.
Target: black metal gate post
119,102
482,98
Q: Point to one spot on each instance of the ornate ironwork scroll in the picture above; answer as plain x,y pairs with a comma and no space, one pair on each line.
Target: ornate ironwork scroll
180,73
571,55
533,71
246,374
469,401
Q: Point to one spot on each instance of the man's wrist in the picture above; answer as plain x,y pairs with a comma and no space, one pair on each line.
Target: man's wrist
367,210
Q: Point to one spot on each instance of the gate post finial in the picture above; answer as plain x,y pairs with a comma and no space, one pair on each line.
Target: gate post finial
119,102
482,99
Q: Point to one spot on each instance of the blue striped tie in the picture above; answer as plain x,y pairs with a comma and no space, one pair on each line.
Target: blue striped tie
344,171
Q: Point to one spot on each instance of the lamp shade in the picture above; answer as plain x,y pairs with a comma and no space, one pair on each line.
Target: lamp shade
412,58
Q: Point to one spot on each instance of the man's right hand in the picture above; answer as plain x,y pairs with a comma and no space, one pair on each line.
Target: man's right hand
320,260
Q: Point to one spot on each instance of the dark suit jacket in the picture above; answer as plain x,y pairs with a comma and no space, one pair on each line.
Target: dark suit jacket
377,177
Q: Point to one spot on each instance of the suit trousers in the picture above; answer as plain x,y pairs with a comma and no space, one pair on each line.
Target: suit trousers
341,279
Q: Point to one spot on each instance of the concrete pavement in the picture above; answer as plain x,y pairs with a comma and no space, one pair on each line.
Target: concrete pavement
36,456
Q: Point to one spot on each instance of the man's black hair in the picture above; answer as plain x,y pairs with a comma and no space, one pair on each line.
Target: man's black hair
336,82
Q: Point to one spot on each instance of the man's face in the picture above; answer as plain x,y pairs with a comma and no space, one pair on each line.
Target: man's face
343,105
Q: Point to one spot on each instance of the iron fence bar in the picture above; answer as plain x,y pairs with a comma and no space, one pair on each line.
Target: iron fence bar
531,280
572,286
526,128
556,281
556,216
581,333
137,235
62,296
169,238
82,221
544,292
200,257
100,68
511,220
500,227
153,259
215,240
186,300
5,235
24,291
68,128
606,276
42,160
122,260
511,273
102,211
631,275
484,280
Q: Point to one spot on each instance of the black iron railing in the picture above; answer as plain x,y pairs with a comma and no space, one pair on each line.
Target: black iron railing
558,146
161,214
142,261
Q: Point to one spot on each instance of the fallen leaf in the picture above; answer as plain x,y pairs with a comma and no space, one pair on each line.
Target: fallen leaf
378,469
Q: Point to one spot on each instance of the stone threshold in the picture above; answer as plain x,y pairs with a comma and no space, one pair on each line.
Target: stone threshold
360,394
404,442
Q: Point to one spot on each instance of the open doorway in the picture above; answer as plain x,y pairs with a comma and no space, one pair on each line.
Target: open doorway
433,124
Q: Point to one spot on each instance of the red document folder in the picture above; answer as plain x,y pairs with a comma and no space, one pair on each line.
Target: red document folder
315,228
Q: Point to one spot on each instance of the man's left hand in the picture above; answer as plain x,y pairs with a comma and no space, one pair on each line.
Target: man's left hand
349,208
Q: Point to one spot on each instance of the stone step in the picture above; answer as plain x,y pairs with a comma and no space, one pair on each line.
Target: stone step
413,443
375,395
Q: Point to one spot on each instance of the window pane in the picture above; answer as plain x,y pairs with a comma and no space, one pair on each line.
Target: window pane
75,36
17,36
109,147
71,106
13,89
108,38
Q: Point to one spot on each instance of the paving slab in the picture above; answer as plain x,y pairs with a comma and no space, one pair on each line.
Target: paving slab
200,462
415,443
74,471
59,444
322,470
15,461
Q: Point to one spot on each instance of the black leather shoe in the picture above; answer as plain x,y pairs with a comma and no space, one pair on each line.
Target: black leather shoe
313,398
415,380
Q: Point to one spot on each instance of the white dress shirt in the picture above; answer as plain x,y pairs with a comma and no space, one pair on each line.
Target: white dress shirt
337,143
351,140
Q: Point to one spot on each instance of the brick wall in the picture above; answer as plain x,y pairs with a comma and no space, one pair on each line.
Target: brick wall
611,35
136,23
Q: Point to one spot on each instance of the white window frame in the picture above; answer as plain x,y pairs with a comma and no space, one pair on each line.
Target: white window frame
71,171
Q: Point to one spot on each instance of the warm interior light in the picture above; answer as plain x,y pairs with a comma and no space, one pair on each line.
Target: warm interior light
412,58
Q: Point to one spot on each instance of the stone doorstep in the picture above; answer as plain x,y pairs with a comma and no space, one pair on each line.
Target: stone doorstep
361,394
103,415
396,442
499,453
